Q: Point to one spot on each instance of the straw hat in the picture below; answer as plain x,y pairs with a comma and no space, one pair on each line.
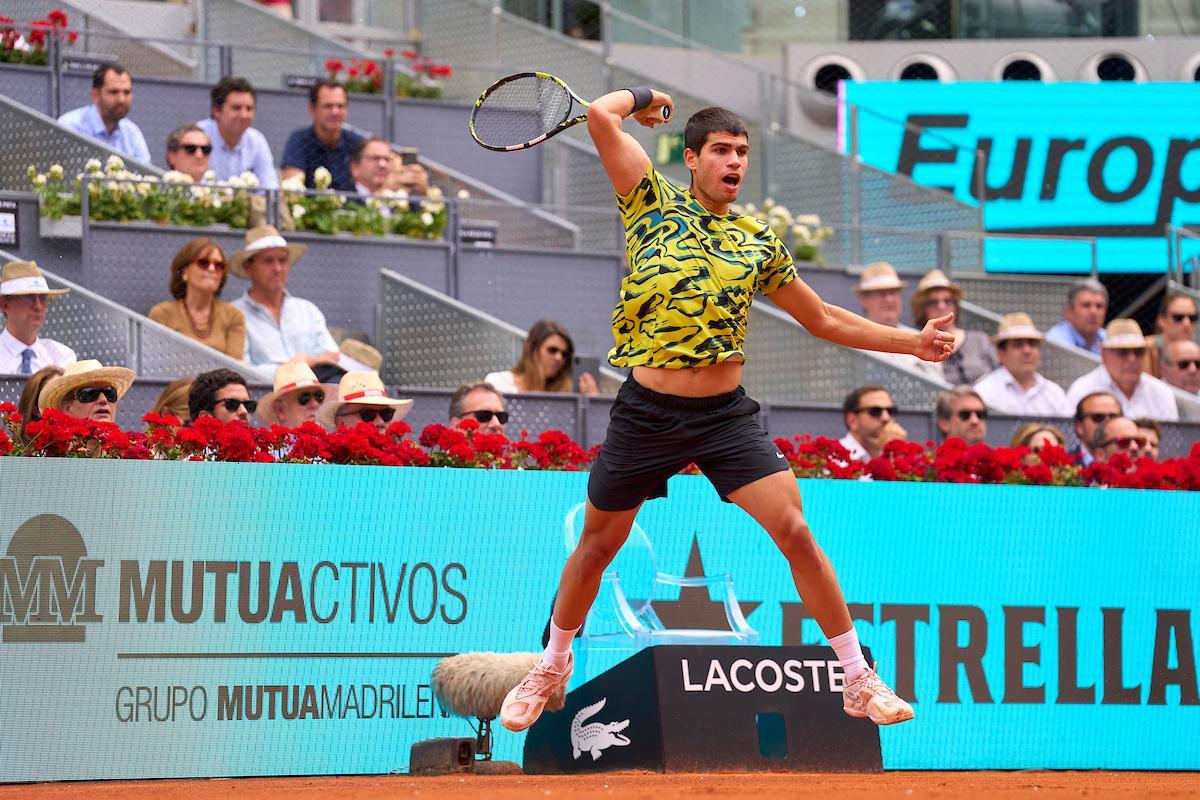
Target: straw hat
291,376
1123,334
1017,325
362,387
24,277
360,353
264,237
84,373
878,277
936,279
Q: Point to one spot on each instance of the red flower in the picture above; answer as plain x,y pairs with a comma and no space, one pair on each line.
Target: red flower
37,38
58,18
72,37
370,67
389,52
334,66
352,72
441,70
409,54
6,20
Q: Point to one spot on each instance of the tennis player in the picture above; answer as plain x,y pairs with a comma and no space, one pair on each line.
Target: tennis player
680,324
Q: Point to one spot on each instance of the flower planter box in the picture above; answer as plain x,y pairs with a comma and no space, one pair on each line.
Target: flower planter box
65,228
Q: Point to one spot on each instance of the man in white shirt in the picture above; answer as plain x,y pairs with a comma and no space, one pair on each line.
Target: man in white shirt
24,300
280,327
1120,374
878,290
105,118
1016,387
871,423
237,147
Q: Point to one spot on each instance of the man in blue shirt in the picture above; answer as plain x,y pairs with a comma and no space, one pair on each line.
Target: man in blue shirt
1087,303
325,143
105,119
237,147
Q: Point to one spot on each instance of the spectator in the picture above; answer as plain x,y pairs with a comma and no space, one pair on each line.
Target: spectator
237,147
1120,374
27,405
198,274
25,301
1116,435
371,168
1176,322
105,119
404,177
973,355
325,143
1016,387
87,390
174,400
545,365
362,397
1090,412
1181,365
870,417
1035,436
188,149
878,293
279,327
220,393
1151,431
296,397
480,401
1087,303
961,412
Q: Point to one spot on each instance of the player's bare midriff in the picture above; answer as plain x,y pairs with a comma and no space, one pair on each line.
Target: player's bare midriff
692,381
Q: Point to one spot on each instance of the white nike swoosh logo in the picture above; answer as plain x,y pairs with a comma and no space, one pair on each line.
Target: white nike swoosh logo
779,455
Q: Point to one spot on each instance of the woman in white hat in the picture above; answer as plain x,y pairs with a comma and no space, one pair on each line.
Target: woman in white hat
973,355
87,390
362,397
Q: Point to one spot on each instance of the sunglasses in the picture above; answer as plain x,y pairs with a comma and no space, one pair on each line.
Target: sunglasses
1017,344
191,149
877,411
369,414
232,404
304,398
1126,442
1130,352
558,351
90,394
1181,317
966,414
204,263
485,416
1096,419
1184,363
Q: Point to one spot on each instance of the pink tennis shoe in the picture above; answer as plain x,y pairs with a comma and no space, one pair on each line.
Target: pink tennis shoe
524,704
868,696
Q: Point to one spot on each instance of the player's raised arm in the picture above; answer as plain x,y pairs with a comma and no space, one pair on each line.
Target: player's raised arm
837,325
624,159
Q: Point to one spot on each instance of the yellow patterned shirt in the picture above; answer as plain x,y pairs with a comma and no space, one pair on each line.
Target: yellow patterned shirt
693,275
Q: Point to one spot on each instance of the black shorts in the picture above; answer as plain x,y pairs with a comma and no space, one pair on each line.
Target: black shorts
652,436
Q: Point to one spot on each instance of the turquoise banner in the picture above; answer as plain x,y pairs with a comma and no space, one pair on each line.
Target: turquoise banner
203,619
1115,161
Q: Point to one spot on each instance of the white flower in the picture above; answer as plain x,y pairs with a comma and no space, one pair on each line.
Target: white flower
426,218
396,196
750,209
297,211
293,184
209,176
434,208
802,233
768,204
322,178
56,172
434,193
31,171
144,187
173,176
113,187
39,180
250,180
808,219
463,194
92,166
114,164
216,203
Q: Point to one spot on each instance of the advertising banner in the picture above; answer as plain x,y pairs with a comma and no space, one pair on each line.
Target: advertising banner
162,619
1116,161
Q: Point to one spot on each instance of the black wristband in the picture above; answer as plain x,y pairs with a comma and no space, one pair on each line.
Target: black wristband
642,95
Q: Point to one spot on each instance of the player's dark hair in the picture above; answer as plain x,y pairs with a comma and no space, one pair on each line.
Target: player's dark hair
711,120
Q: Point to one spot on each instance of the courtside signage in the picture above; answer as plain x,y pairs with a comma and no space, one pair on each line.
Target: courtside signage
1117,161
226,619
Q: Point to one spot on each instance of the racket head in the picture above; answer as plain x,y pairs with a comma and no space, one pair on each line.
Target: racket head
521,110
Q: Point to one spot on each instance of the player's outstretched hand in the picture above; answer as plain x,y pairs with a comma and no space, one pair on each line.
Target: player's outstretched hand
936,344
652,115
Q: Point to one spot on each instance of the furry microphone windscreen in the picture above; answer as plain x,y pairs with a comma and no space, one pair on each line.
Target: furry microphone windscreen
474,684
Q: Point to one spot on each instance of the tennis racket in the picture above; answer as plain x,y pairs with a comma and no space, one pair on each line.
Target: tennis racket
526,109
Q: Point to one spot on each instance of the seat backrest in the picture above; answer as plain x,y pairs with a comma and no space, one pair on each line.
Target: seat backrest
635,563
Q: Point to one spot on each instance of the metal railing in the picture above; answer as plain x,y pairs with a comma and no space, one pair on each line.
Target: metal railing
1183,257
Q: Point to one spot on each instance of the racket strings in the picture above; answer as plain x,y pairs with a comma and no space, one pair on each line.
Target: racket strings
521,110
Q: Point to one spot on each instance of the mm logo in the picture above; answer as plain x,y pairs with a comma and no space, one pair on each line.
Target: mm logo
47,583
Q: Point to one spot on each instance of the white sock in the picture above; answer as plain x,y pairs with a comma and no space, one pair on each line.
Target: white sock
849,652
559,647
